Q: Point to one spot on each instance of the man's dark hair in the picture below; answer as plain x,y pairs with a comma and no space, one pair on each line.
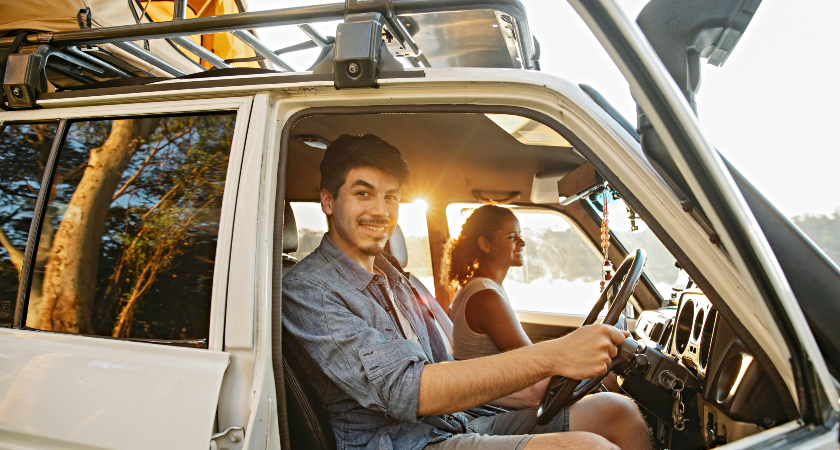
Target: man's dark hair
351,152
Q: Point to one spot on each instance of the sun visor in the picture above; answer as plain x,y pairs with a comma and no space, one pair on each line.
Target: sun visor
528,131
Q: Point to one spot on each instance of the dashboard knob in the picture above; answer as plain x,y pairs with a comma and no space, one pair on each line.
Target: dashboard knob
641,360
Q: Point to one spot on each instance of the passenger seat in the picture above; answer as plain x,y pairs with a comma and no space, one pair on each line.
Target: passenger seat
397,248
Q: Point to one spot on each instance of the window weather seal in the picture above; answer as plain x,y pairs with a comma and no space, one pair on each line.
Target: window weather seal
28,264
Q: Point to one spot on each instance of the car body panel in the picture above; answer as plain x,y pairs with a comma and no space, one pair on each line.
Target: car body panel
70,391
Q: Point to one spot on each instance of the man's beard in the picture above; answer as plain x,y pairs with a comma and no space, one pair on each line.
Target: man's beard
345,230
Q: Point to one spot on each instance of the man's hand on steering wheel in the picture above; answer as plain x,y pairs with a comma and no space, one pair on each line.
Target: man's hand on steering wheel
595,363
590,351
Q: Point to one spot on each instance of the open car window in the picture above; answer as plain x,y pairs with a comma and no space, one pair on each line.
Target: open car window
561,270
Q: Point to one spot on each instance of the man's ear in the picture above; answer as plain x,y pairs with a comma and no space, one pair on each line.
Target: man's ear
483,244
326,202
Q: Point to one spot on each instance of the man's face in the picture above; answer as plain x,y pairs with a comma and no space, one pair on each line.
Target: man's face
365,211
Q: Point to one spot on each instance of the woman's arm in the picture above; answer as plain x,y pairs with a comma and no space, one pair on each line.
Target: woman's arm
487,312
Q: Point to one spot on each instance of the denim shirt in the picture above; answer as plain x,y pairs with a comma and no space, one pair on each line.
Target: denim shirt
367,373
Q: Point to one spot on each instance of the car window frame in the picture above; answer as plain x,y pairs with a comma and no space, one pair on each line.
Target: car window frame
241,106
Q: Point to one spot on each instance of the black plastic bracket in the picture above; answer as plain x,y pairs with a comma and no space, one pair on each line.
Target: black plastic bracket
25,77
24,80
358,47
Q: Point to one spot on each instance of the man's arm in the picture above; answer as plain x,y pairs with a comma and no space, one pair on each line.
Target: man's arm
526,398
451,387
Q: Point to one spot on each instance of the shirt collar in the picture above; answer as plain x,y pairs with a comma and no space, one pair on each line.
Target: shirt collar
351,270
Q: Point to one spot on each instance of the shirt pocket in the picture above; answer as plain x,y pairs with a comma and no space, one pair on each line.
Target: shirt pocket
384,324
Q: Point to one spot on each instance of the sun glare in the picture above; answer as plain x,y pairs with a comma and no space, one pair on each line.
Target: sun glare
421,204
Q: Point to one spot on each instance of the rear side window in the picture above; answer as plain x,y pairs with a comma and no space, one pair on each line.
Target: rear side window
128,243
24,149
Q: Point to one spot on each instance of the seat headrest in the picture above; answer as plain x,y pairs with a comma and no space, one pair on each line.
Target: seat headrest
290,233
397,247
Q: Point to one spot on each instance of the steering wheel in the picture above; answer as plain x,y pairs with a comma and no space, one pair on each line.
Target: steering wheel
561,391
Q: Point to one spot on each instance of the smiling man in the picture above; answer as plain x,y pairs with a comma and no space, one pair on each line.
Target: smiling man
379,363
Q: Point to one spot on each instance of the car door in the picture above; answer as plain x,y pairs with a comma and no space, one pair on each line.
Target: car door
117,221
709,180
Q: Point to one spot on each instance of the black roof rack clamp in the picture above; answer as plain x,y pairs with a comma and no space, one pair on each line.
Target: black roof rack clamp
358,49
25,75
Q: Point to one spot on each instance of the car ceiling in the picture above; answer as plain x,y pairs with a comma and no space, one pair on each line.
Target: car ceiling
449,154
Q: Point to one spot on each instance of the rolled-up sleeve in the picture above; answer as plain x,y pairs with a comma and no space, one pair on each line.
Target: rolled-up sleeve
378,373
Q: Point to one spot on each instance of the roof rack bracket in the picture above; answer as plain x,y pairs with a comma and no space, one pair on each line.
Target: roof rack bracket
24,79
358,47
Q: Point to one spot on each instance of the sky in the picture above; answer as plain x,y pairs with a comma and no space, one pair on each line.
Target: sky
770,109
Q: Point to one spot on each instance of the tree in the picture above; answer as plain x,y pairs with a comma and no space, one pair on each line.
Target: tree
69,280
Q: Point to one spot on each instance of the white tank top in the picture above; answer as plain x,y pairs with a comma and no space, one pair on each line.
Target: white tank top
467,343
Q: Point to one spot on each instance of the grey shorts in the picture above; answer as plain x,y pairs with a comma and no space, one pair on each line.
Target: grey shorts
508,431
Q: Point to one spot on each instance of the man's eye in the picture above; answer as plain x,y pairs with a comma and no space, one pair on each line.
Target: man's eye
363,193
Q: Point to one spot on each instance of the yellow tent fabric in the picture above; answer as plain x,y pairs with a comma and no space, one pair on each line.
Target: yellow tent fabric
224,45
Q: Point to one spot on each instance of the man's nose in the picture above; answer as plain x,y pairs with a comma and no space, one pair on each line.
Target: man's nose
379,207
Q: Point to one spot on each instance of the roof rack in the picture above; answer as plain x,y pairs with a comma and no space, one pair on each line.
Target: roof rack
403,20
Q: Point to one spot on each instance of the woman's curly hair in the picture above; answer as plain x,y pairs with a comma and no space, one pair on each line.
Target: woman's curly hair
461,256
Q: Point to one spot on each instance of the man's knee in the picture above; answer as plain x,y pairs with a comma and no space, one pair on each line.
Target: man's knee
569,440
595,410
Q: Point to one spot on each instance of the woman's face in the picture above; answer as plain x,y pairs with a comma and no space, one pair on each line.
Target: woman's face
505,245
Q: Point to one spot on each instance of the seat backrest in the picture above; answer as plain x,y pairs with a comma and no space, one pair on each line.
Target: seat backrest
290,239
398,248
309,427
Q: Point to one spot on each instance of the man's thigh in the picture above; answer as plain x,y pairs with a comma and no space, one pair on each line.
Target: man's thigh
520,422
508,431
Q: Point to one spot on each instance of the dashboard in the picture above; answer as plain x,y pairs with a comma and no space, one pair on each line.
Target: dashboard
726,395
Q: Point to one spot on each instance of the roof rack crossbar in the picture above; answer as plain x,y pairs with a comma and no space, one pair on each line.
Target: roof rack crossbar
134,50
201,52
188,27
314,35
281,17
305,45
93,60
262,49
179,11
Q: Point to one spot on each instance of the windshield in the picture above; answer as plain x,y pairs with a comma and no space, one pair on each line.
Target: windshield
660,267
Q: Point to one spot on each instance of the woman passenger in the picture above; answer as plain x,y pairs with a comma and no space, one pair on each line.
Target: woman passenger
483,320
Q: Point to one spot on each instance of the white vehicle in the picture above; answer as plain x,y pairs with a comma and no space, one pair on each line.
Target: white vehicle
146,221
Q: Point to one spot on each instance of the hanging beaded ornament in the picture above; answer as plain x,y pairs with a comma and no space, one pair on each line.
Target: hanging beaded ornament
606,269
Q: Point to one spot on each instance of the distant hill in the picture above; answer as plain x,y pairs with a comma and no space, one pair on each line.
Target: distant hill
823,230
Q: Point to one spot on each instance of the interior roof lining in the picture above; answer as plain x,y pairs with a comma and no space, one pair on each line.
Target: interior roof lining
717,301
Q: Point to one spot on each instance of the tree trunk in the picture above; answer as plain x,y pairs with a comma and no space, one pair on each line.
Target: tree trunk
70,276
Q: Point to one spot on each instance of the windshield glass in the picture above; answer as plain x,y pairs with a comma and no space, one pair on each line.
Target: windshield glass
660,266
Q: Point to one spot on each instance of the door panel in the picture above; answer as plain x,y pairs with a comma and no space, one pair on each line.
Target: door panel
70,391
